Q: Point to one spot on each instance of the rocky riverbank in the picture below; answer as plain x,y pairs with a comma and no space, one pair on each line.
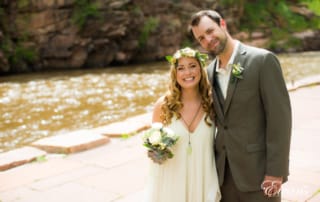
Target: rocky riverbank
70,34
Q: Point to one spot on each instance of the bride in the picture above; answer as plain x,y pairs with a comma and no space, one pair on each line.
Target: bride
190,176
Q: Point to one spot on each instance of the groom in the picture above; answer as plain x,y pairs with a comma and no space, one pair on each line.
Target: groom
253,113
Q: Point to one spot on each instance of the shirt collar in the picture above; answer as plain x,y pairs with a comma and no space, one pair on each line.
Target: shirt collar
233,55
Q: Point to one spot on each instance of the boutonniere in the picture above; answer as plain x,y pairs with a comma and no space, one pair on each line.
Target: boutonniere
237,71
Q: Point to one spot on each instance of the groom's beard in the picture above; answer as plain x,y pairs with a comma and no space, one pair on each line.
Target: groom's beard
220,48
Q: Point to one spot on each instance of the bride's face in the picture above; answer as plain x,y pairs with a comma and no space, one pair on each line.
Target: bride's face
188,72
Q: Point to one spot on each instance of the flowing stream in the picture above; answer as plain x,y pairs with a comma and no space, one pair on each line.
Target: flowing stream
38,105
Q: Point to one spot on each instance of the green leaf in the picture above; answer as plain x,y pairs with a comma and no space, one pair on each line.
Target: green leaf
169,58
41,158
125,136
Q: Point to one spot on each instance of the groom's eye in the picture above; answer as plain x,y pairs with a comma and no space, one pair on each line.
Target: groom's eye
209,31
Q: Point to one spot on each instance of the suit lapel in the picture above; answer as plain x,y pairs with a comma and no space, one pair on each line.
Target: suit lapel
233,81
215,93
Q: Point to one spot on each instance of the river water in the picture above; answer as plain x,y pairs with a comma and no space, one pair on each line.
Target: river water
38,105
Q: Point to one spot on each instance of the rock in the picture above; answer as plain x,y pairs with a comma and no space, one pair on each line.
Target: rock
312,43
101,54
64,3
1,36
302,10
121,56
118,4
132,125
79,56
305,34
257,35
18,157
72,142
258,42
310,39
63,41
242,36
4,66
115,31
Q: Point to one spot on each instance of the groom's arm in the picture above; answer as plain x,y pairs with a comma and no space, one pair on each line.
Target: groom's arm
277,108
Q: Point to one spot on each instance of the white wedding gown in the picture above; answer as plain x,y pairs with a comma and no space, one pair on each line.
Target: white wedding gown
187,177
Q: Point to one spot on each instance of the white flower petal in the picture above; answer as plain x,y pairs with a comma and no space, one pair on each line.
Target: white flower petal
169,132
157,125
155,138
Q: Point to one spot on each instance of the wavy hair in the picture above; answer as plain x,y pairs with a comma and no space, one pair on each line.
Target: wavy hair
172,103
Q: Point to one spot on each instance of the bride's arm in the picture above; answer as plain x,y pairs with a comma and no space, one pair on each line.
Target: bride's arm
157,110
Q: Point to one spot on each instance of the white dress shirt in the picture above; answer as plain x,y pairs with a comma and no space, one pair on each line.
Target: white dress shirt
223,73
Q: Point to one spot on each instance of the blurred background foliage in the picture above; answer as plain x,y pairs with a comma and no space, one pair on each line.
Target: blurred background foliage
83,10
280,17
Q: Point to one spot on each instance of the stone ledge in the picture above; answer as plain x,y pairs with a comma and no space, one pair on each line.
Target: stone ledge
71,142
306,82
129,126
19,157
315,197
298,190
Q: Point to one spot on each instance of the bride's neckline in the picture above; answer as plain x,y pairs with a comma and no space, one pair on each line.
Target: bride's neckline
195,128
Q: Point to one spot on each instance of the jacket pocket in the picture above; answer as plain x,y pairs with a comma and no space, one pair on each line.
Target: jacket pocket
255,147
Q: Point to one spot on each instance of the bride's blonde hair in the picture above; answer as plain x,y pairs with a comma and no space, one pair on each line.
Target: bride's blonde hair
172,103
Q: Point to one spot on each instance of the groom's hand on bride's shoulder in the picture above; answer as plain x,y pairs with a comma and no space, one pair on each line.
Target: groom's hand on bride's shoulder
155,157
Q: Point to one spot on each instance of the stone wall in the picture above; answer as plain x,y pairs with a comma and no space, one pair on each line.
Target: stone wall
44,35
115,35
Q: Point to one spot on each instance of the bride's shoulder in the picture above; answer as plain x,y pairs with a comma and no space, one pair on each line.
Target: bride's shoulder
160,101
157,109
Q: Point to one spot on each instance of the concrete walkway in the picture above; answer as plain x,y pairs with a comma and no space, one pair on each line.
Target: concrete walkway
116,170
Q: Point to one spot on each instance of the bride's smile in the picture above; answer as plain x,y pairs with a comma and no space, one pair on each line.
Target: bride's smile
188,72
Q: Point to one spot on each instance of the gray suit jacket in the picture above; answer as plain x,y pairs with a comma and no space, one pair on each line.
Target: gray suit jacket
254,121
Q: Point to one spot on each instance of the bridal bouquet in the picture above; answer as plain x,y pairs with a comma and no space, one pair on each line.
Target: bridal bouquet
158,139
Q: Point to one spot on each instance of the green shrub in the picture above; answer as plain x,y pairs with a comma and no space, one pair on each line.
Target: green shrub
275,15
22,3
150,25
136,10
17,53
186,43
24,54
313,5
83,10
1,12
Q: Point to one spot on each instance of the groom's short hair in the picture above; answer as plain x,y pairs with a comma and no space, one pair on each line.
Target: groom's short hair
195,18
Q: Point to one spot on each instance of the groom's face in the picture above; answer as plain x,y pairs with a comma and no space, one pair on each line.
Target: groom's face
210,35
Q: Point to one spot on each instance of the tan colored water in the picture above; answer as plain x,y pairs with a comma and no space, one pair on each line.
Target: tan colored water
38,105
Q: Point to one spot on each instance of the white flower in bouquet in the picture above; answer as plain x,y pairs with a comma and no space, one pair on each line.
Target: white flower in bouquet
154,127
155,138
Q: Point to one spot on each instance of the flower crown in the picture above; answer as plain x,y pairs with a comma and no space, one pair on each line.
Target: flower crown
188,52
